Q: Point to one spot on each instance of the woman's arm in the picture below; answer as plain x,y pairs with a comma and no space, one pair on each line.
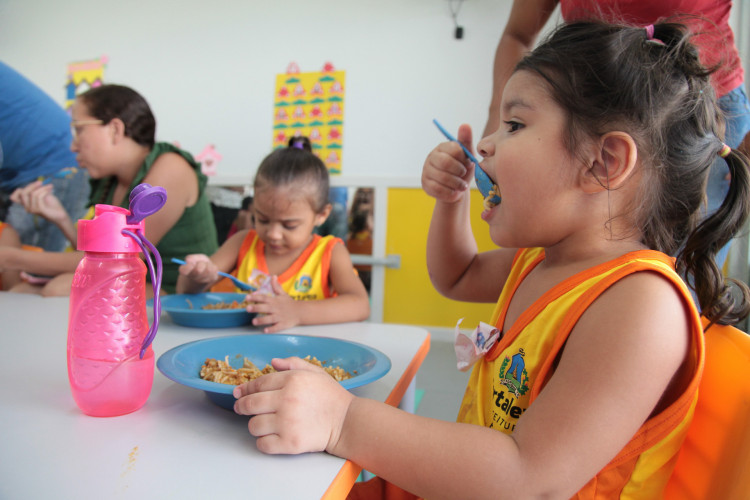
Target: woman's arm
527,18
172,172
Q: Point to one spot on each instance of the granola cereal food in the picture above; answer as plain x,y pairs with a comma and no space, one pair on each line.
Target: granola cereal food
215,370
495,191
227,305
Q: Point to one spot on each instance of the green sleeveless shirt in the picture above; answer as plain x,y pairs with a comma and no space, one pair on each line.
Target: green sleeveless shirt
195,232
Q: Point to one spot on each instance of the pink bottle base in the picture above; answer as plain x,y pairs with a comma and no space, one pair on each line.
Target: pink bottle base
106,389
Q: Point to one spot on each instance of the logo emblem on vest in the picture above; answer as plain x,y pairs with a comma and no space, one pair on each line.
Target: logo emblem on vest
303,284
515,377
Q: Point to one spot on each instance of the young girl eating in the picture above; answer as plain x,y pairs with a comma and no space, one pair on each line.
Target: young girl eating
609,134
290,200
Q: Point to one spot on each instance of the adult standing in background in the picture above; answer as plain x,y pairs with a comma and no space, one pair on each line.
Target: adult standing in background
35,142
709,19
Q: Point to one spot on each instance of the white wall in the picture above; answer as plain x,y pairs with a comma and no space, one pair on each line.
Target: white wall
208,68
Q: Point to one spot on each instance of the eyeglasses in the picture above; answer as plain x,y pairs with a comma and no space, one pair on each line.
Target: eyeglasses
77,126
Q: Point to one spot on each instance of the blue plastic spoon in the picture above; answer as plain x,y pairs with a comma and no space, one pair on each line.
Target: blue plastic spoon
484,183
240,284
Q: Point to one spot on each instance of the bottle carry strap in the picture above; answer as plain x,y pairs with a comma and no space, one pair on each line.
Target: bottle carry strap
149,252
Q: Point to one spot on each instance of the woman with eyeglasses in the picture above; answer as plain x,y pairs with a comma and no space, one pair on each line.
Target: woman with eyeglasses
114,134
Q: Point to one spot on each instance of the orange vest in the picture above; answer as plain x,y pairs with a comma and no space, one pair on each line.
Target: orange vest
305,279
519,365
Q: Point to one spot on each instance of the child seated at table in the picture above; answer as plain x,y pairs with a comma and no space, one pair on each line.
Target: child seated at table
588,383
290,199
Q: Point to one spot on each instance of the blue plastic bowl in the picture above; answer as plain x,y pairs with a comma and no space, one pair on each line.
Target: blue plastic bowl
187,310
182,364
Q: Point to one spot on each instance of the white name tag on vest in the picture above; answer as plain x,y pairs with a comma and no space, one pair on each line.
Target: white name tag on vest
470,348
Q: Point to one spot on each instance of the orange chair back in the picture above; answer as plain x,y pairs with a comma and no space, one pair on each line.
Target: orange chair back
714,461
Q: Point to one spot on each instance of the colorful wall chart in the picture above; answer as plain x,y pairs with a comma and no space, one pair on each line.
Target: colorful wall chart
312,105
83,75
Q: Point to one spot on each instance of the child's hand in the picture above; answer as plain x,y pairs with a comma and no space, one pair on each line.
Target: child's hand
280,311
299,409
38,199
199,269
447,171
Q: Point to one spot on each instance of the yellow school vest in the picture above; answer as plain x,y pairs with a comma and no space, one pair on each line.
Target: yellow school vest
305,279
508,379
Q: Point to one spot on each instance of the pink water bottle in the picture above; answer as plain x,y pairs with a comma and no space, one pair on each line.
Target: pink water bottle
110,360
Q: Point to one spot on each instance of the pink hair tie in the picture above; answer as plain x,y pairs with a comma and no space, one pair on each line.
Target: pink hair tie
650,35
725,150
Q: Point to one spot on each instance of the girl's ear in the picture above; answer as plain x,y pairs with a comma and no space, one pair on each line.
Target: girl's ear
614,161
321,216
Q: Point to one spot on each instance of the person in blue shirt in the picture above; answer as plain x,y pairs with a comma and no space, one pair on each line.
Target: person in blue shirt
35,140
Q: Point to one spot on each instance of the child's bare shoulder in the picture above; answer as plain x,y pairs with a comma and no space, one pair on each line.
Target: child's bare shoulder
642,312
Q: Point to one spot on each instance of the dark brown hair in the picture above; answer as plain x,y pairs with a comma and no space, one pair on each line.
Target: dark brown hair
615,77
107,102
295,164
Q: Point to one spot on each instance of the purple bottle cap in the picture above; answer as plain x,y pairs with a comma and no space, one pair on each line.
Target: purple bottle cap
138,189
144,201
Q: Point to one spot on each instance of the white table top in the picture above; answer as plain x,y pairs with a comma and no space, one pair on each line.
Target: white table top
179,445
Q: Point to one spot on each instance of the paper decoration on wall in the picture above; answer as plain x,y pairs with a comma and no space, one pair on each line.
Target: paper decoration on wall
209,159
82,76
311,104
